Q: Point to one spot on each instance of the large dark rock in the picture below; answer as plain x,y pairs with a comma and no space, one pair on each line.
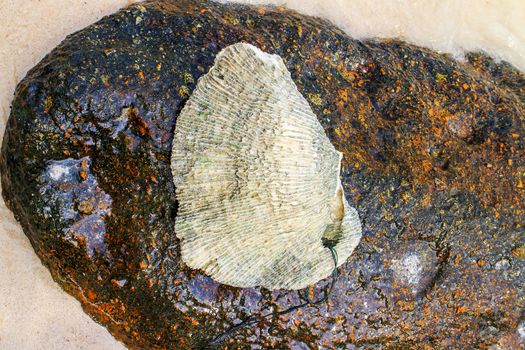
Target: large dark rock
434,163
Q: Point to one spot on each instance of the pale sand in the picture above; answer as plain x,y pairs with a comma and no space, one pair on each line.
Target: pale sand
34,312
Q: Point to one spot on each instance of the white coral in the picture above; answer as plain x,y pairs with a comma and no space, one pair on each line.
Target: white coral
257,179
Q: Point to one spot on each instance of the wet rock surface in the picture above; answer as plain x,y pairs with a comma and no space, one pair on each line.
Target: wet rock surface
433,162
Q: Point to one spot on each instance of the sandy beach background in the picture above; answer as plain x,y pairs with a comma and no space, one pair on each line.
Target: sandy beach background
34,312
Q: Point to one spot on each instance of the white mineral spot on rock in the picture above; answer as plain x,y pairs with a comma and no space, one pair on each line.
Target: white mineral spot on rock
503,264
521,330
409,268
57,171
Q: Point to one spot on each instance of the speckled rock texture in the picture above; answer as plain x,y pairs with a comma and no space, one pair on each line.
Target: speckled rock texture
433,162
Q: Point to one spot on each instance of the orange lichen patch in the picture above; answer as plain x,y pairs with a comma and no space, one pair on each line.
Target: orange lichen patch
406,305
184,91
315,99
91,295
342,93
346,73
461,309
261,10
325,58
138,122
519,251
48,103
362,119
437,131
85,207
83,170
231,19
141,75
